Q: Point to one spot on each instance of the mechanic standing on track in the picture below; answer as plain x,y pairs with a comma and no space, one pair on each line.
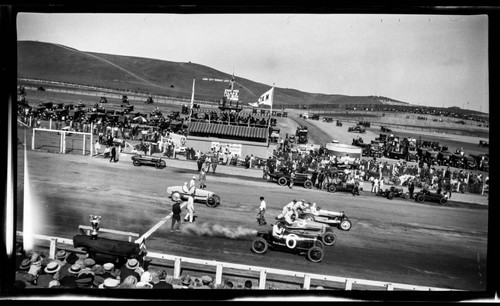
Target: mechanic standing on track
176,215
190,209
262,210
288,207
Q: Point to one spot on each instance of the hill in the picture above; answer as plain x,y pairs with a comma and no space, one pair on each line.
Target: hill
60,63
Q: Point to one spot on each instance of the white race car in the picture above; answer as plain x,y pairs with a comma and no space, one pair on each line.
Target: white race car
332,218
200,195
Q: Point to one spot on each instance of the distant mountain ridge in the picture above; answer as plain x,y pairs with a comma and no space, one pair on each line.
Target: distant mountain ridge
56,62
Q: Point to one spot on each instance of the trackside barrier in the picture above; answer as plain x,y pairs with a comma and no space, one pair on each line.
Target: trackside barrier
302,277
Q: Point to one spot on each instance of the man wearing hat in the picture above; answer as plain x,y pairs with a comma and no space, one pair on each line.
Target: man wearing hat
190,209
162,284
176,215
186,281
48,274
22,270
85,279
192,183
61,257
129,269
288,207
88,263
69,280
206,282
70,259
109,283
109,270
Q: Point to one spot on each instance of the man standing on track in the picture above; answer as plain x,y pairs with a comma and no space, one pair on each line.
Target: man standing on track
190,209
203,178
113,154
262,209
176,215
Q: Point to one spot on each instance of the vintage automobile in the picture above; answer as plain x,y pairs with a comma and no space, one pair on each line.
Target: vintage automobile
358,128
457,160
341,185
157,162
393,192
311,227
332,218
412,154
283,179
444,158
483,143
384,129
339,123
200,195
472,162
431,197
290,242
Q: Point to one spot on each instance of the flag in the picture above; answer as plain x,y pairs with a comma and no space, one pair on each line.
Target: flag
265,99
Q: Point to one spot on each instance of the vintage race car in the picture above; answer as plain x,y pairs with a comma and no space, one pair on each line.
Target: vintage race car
341,186
158,162
201,195
284,179
290,242
392,192
311,227
430,196
332,218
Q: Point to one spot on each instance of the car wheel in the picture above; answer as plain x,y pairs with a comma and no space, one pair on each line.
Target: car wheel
136,163
332,188
308,217
329,238
161,164
345,225
282,181
390,196
308,184
212,201
420,198
175,196
443,200
259,245
319,244
315,254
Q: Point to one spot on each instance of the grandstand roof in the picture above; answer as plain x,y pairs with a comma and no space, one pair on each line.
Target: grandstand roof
227,130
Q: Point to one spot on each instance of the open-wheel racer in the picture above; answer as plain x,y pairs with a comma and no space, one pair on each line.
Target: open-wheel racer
332,218
280,239
157,162
393,192
431,197
200,195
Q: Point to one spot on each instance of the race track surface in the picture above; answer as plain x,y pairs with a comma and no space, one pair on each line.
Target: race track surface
393,241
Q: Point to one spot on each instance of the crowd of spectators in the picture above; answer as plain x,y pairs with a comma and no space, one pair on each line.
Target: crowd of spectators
72,270
227,117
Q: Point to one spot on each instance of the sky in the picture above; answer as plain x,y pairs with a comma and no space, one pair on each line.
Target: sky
431,60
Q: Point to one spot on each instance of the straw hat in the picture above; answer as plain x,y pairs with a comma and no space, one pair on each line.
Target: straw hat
108,266
132,264
61,255
52,267
109,283
75,269
25,264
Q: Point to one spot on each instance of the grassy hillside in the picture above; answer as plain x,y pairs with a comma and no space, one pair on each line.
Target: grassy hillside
60,63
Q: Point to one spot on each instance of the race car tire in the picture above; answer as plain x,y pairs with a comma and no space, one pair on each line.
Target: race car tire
315,254
282,181
259,245
345,225
443,200
160,165
308,217
308,184
213,200
291,241
175,196
329,238
390,196
332,188
419,198
136,163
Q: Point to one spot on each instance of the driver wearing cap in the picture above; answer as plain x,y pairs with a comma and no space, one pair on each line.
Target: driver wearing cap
279,229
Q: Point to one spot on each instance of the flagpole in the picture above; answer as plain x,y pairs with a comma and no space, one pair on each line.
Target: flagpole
192,102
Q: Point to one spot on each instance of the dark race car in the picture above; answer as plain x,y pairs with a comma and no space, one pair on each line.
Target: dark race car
283,179
310,227
157,162
332,218
340,184
307,245
393,192
431,197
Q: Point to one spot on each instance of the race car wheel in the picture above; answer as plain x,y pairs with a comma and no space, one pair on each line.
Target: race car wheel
308,217
443,200
345,225
259,245
390,196
160,165
315,254
332,188
137,163
329,238
291,241
213,201
175,196
308,184
419,198
282,181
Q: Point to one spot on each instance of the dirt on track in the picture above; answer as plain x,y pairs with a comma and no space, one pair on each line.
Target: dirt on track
394,241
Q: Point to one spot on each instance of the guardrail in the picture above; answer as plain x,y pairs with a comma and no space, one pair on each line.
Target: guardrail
303,278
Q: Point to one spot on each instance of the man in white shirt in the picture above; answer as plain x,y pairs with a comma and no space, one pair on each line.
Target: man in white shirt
262,209
288,207
190,209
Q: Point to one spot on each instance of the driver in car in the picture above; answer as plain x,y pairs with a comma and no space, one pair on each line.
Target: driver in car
278,230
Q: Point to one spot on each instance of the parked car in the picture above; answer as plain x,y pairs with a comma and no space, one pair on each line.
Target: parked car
200,195
302,244
393,192
157,162
357,128
283,179
431,197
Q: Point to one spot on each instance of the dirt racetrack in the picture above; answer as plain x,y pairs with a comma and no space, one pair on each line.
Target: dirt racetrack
394,241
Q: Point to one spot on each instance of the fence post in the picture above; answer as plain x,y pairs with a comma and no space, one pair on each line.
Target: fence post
218,274
33,139
389,287
307,281
262,279
53,248
348,284
84,136
177,267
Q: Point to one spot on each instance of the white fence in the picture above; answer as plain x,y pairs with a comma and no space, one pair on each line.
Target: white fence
263,272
